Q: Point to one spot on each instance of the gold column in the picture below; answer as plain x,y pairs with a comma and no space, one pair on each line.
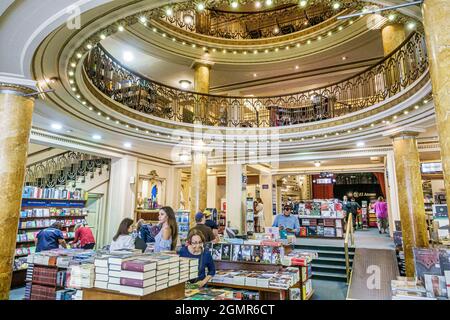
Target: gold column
198,184
201,77
436,15
392,36
16,112
410,195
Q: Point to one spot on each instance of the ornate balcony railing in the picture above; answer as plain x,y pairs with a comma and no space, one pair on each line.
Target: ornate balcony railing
280,21
387,78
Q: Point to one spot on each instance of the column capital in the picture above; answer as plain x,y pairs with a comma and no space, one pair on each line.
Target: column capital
17,86
202,63
403,132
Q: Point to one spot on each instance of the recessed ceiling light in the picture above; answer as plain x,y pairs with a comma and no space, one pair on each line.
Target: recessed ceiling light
234,52
137,129
78,96
127,145
330,33
99,113
73,64
193,45
108,118
143,19
90,108
155,30
214,50
276,49
69,131
56,126
317,163
337,133
287,47
336,5
234,4
255,51
245,52
406,112
425,101
360,144
173,39
298,45
71,73
391,17
349,131
303,3
255,75
71,81
97,137
169,12
360,128
117,121
224,51
372,125
308,42
344,58
183,43
395,117
79,55
127,125
102,36
258,4
302,139
314,137
351,22
128,56
269,2
416,107
164,35
296,67
121,28
200,7
411,25
319,38
84,102
267,50
340,28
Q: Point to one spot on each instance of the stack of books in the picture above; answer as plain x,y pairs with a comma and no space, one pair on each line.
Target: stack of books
162,271
174,271
409,289
279,280
114,266
101,272
138,276
81,276
184,269
193,268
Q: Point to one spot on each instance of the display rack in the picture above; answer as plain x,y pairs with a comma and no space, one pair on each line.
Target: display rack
182,218
40,213
321,227
250,216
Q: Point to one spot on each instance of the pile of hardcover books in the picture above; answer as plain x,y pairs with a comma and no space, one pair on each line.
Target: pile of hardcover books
142,274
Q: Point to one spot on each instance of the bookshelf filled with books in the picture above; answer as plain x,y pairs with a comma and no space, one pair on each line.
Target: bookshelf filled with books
41,207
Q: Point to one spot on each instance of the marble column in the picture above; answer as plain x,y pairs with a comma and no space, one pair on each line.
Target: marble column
198,184
392,36
436,21
410,194
16,112
235,196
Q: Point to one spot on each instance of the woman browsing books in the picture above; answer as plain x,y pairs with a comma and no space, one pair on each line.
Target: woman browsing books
194,249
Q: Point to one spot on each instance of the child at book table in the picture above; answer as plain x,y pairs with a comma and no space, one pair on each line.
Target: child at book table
194,249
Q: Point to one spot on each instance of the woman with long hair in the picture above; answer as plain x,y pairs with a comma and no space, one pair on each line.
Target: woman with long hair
166,239
123,238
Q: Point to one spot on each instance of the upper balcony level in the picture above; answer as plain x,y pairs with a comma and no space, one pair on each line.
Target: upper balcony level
388,79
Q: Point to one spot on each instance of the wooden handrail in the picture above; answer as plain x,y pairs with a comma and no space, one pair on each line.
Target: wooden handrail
349,233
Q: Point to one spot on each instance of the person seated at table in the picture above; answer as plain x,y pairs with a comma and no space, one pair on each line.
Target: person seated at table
123,240
194,248
50,238
286,221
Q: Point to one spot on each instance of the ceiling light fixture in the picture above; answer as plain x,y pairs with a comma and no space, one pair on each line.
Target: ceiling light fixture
340,28
336,5
71,73
143,19
303,3
200,7
308,42
269,2
416,107
127,145
73,64
56,126
234,4
188,19
120,28
169,12
317,163
360,144
344,58
102,36
258,4
128,56
185,84
97,137
79,55
406,112
155,30
298,45
391,17
411,25
255,51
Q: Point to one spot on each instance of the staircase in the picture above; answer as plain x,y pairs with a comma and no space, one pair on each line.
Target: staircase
330,264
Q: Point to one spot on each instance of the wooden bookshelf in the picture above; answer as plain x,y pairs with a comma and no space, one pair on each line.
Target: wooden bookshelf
55,217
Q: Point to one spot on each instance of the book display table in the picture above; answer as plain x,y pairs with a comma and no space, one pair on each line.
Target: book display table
171,293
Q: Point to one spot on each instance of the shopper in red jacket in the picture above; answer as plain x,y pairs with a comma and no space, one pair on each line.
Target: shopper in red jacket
84,237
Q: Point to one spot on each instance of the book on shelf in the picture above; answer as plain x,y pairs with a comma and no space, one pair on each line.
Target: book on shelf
226,252
435,285
247,252
426,261
217,251
236,252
